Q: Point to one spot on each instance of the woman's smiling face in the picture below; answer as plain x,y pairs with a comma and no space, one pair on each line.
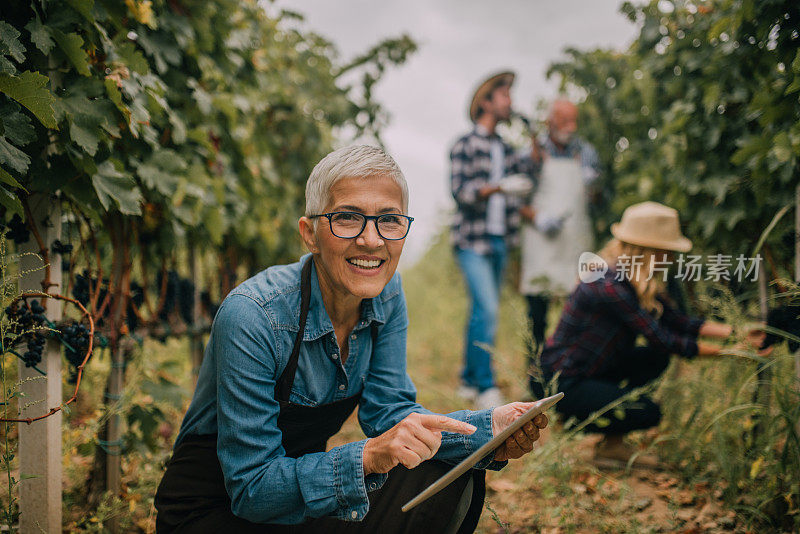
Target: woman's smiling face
362,266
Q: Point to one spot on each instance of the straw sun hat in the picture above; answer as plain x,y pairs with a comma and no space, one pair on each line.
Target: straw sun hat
485,88
652,225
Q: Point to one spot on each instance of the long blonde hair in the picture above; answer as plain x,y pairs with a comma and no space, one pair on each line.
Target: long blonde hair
646,290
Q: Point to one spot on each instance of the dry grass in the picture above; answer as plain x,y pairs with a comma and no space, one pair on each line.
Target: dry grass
706,487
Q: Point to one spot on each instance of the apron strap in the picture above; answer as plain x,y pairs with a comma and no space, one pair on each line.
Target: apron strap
284,385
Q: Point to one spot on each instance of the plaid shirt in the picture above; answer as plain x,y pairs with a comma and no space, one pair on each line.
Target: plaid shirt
470,170
602,319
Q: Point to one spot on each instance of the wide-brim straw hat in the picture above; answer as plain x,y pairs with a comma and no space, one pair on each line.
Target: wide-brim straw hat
486,87
651,225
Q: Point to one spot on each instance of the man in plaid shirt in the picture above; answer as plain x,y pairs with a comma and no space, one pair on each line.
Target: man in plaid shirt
486,223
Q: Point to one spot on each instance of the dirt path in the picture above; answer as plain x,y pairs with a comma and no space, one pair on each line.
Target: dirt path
579,497
565,492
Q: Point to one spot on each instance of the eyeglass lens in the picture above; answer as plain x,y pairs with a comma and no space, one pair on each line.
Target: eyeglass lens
349,225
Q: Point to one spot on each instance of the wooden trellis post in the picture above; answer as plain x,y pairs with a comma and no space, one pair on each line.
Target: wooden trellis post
39,449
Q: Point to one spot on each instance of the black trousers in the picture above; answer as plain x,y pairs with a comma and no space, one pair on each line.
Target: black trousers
183,506
537,319
586,395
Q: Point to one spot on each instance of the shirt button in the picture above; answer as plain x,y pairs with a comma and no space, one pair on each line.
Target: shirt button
353,336
341,388
354,514
335,356
372,486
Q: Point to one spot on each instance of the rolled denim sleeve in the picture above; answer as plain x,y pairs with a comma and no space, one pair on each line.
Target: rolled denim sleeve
389,395
264,485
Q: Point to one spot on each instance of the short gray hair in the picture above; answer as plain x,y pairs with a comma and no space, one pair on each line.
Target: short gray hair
356,161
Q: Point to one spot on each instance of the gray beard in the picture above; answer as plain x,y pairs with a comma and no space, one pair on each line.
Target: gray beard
562,138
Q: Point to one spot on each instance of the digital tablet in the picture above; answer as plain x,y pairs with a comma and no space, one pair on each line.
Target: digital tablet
487,448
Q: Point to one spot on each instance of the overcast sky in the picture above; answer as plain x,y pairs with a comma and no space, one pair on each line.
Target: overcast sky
460,43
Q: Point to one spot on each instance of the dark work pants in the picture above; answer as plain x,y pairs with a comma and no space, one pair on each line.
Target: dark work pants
537,319
584,396
384,516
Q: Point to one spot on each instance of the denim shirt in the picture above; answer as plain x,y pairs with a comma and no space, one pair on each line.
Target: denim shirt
250,343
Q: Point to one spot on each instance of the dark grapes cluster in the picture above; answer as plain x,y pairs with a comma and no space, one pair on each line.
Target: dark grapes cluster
179,295
137,299
80,290
61,248
27,320
17,230
75,339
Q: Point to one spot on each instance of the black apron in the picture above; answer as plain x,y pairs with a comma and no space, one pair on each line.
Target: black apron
192,498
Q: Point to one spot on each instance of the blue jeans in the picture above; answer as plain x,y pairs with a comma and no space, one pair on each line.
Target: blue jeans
483,274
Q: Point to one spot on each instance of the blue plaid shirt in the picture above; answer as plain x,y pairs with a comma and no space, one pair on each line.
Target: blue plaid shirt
602,320
470,170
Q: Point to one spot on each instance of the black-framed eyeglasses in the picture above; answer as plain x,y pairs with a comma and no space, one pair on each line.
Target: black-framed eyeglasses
350,224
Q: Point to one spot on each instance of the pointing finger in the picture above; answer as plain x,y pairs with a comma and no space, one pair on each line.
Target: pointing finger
442,422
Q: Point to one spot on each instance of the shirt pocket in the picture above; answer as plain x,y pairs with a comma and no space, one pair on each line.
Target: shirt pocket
295,397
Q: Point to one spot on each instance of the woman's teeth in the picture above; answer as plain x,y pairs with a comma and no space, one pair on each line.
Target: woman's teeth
366,264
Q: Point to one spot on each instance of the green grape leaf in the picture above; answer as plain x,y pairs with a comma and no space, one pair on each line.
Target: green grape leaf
6,66
84,132
40,35
9,42
7,179
161,49
115,187
133,58
162,171
84,7
28,88
72,46
9,199
89,122
15,126
114,94
13,157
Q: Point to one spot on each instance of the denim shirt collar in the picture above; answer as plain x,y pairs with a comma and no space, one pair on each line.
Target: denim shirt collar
319,323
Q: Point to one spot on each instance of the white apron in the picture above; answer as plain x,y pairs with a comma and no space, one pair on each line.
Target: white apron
550,264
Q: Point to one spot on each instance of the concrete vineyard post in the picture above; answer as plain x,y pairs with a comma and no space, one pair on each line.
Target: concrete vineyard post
39,449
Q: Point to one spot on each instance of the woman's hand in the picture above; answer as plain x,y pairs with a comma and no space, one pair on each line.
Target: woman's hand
715,329
528,213
488,190
410,442
754,339
755,336
521,441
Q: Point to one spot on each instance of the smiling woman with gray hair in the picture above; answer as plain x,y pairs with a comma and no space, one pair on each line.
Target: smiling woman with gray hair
293,351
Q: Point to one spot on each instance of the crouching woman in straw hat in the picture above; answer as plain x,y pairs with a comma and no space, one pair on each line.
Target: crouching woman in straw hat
293,352
593,349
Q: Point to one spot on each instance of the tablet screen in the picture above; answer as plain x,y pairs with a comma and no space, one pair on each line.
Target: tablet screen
478,455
